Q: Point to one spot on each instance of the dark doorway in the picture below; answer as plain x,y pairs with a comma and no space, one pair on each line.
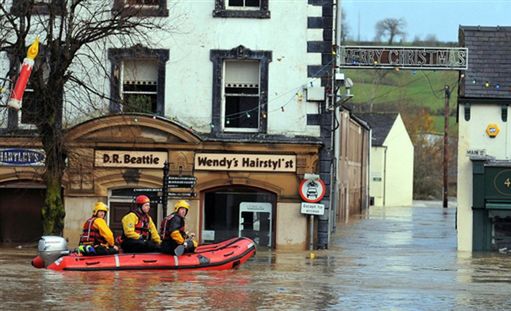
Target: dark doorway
20,214
501,233
222,215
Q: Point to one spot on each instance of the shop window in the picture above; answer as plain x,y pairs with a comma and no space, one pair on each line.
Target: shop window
142,7
241,8
241,96
138,80
240,91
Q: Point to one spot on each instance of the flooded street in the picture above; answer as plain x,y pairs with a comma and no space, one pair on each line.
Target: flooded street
394,259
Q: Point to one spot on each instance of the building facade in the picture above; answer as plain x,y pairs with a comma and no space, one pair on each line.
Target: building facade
484,190
225,99
391,161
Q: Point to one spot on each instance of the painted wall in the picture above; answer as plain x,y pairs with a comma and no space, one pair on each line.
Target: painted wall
188,85
472,136
189,69
291,223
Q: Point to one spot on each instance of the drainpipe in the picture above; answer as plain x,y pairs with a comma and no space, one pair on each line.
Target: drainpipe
384,174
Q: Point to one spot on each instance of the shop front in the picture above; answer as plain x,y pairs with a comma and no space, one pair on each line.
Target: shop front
22,191
491,204
238,189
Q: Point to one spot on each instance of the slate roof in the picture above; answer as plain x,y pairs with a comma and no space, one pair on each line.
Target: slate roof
489,60
380,123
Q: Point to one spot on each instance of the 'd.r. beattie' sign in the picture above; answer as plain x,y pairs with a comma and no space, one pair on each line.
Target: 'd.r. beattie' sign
245,162
140,159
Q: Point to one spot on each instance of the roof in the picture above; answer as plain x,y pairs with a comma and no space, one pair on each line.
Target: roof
489,62
380,123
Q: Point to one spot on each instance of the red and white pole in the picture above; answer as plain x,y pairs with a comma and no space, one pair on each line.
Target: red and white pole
21,83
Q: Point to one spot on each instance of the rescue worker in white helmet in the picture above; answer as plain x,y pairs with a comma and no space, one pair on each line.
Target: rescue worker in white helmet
139,234
97,238
175,239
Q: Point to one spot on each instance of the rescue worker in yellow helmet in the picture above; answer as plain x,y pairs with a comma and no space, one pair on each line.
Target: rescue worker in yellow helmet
97,238
139,234
175,239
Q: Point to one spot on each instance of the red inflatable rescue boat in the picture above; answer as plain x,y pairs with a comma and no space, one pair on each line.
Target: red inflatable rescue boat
220,256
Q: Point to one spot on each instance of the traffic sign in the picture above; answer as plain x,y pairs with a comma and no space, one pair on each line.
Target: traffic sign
313,208
312,190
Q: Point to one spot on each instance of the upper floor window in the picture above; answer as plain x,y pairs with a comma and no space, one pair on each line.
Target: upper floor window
142,7
138,80
29,106
241,96
241,8
139,86
240,90
38,7
244,4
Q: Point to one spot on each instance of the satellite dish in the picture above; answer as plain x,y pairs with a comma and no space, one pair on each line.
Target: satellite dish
348,83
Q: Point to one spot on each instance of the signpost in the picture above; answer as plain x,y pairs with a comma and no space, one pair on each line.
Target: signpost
312,189
173,182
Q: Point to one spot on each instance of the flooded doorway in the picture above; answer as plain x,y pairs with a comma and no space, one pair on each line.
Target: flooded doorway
239,211
20,214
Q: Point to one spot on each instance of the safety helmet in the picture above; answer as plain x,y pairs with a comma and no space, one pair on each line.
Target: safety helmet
100,206
142,199
182,203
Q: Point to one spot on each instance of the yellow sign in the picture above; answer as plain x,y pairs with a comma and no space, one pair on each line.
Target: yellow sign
492,130
245,162
125,158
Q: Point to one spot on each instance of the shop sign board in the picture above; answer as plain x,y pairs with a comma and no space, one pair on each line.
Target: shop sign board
245,162
132,159
22,157
313,208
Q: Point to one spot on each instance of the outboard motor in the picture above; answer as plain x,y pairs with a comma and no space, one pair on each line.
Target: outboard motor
52,248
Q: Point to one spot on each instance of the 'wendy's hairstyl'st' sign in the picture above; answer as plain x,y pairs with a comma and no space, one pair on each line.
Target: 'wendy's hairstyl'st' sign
403,57
245,162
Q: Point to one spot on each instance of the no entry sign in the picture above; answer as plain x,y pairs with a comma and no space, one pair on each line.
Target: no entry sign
312,190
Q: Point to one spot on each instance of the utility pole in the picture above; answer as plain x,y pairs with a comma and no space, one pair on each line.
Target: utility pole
446,142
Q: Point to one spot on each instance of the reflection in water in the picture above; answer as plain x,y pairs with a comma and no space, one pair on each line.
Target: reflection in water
395,259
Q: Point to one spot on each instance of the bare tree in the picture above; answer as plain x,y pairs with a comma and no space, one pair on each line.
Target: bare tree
390,28
73,33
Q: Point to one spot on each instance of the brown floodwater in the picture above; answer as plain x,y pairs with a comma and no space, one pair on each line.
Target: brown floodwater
391,259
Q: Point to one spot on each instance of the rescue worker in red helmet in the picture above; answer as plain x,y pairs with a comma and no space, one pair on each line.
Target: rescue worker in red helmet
97,238
175,239
139,232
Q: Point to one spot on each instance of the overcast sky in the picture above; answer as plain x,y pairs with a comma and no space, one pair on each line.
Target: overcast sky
439,17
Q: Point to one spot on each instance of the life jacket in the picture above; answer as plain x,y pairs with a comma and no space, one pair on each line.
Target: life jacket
90,235
171,223
142,226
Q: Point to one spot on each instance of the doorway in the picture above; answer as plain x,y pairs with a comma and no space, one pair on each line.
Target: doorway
239,211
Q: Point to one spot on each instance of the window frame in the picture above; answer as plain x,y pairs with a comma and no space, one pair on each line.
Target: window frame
160,10
40,7
240,53
222,9
117,56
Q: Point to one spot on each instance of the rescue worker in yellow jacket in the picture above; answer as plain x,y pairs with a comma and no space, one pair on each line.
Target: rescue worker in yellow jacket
139,232
175,239
97,238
